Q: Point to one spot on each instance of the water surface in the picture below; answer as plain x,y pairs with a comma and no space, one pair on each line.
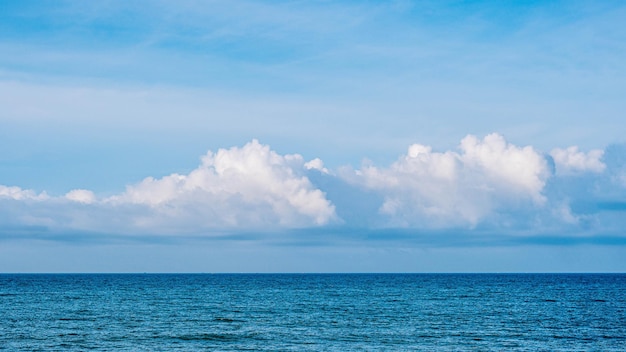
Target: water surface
269,312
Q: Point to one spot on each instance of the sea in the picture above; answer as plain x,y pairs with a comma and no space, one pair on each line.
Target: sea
313,312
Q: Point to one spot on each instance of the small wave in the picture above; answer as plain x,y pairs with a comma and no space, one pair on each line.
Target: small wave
211,337
76,319
226,320
613,337
567,337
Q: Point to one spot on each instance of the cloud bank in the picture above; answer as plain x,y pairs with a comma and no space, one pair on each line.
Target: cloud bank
247,187
485,183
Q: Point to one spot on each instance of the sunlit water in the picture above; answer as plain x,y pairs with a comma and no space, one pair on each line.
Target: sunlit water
313,312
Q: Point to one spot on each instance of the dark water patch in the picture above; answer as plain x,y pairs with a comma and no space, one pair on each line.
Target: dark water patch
76,319
227,320
208,337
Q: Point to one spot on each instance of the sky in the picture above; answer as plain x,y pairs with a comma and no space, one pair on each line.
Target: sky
312,136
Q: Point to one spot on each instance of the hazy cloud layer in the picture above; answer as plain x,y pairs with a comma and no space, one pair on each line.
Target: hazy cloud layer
486,184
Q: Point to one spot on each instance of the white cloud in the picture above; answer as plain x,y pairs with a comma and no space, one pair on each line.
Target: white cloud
236,187
518,169
17,193
316,164
572,160
442,189
81,196
485,183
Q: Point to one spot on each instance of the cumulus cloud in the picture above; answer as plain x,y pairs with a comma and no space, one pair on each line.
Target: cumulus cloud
572,160
236,187
316,164
249,187
440,189
17,193
81,196
486,184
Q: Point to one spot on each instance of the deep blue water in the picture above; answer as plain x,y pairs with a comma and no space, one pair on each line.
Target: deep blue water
442,312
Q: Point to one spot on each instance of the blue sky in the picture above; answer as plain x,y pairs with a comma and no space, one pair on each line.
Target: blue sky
312,136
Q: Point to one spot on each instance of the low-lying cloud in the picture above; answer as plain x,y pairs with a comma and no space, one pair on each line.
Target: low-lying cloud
16,193
572,160
237,187
442,189
485,183
247,187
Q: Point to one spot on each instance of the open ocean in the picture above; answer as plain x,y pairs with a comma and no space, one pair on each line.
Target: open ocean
311,312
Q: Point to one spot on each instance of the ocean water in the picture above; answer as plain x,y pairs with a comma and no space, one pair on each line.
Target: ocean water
313,312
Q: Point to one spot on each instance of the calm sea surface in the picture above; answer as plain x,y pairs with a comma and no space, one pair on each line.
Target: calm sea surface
439,312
